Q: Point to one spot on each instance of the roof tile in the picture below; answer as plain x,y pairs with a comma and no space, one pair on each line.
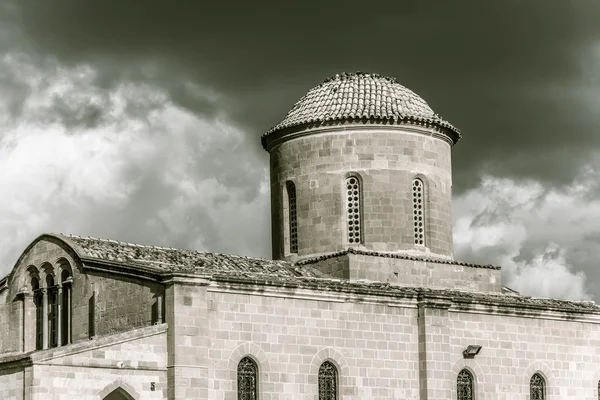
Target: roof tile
361,95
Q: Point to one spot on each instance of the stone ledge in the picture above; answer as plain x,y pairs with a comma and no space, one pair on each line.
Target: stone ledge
351,250
97,343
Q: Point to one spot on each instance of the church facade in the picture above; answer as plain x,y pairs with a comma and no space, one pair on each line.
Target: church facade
362,300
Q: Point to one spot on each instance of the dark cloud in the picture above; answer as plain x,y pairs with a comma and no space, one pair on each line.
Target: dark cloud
485,66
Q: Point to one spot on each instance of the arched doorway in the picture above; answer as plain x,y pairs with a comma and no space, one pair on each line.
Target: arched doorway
118,394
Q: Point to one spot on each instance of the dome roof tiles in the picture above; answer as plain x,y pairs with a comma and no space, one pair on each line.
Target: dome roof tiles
362,95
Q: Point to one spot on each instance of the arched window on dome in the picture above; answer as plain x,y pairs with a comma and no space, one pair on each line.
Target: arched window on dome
247,379
418,194
537,387
354,209
464,385
292,217
328,378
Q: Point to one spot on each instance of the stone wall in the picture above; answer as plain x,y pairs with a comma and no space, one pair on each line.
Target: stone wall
9,327
386,159
397,350
11,383
134,361
514,348
102,303
373,345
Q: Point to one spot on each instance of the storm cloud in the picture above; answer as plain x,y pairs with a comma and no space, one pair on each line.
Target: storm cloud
141,120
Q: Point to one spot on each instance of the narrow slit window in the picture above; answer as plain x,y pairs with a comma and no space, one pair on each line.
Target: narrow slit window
293,220
328,381
537,387
353,203
464,388
418,191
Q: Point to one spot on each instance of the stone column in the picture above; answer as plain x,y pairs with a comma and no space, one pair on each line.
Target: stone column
187,338
434,350
68,305
45,318
26,328
59,299
159,309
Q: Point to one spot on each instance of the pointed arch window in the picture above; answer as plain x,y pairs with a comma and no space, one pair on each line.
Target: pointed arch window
292,217
537,387
464,389
328,381
354,206
247,379
418,193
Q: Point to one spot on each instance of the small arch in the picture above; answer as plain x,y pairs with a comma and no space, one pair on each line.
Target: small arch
541,369
346,382
47,271
247,379
328,381
537,387
258,356
292,216
353,199
465,385
64,269
476,373
118,394
116,389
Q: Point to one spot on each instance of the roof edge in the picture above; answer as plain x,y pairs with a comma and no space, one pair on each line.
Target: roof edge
401,256
442,127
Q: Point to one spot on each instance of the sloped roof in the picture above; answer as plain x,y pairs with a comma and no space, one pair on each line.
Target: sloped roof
159,260
163,261
361,95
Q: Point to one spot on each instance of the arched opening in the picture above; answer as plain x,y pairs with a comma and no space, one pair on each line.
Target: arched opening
52,291
292,217
38,299
354,209
328,381
118,394
419,211
464,385
537,387
247,379
65,310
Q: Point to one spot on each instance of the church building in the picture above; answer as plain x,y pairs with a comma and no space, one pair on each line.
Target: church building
362,299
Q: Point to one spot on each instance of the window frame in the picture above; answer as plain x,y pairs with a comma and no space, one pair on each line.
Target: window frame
253,394
322,392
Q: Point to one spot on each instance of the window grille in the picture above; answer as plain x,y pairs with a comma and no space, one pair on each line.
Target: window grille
327,381
419,211
247,379
293,220
354,210
537,387
464,385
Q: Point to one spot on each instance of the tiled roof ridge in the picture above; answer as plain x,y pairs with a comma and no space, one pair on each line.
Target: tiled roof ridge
352,250
351,75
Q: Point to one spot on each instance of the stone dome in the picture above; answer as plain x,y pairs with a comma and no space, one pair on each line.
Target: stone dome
359,96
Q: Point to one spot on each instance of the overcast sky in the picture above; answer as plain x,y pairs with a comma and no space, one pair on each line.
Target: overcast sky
140,120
